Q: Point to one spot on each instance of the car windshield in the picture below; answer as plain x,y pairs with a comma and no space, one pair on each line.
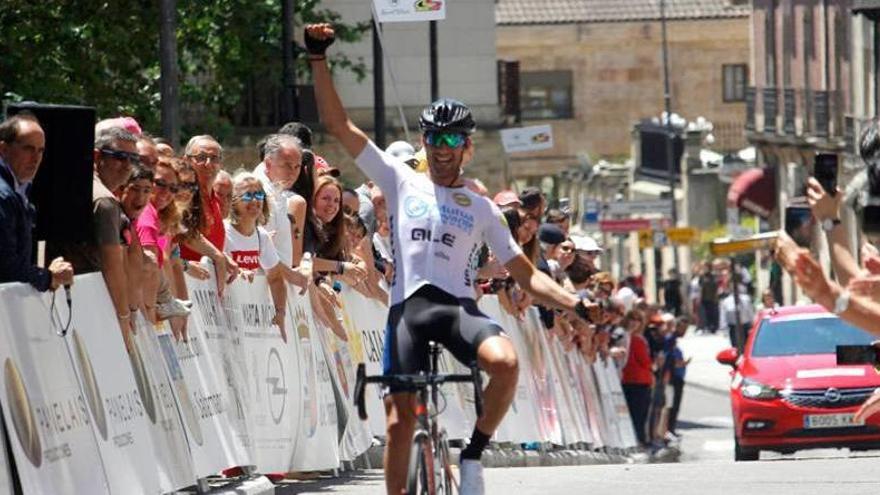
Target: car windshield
806,336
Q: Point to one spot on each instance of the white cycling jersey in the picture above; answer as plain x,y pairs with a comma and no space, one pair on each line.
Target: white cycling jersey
436,232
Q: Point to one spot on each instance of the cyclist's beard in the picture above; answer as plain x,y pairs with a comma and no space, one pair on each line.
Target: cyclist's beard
446,174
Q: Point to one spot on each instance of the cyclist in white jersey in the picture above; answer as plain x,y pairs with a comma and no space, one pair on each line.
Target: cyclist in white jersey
438,227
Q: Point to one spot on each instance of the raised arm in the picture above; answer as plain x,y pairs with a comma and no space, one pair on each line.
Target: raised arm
318,37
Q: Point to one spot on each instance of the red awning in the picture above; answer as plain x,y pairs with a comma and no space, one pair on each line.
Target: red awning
755,191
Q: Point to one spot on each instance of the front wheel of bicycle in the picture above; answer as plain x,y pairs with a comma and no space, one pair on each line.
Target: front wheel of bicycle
420,476
445,478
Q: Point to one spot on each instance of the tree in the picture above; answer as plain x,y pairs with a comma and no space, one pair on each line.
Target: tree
106,54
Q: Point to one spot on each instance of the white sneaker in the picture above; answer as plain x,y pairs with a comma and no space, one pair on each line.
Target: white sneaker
472,478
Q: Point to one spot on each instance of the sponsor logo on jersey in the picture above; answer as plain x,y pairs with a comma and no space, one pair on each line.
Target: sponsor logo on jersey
456,218
461,199
446,238
415,207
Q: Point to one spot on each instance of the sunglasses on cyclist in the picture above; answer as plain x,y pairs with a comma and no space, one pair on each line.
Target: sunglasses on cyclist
253,195
450,139
161,184
131,158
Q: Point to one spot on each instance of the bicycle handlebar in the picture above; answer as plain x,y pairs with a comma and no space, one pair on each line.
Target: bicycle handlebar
415,382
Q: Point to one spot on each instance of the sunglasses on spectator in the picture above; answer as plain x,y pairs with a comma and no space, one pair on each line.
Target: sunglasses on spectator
205,158
253,195
131,158
450,139
161,184
188,186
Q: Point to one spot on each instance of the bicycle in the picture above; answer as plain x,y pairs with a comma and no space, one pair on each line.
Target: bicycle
430,469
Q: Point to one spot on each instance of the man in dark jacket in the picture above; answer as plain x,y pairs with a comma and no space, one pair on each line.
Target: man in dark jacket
21,150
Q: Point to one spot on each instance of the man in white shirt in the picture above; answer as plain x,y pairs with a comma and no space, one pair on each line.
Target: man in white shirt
728,314
282,166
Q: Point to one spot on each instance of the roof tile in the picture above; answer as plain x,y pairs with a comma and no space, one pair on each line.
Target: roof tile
510,12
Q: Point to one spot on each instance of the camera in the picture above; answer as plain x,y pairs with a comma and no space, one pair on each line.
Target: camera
825,172
870,218
799,221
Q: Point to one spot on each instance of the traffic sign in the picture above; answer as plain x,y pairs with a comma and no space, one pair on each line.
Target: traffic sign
646,239
624,226
644,207
682,235
660,239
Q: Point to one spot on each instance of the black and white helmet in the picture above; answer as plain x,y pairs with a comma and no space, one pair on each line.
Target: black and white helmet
447,115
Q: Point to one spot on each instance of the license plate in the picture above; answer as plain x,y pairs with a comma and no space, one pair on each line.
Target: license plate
812,421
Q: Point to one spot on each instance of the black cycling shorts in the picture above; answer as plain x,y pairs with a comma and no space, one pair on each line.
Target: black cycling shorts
431,314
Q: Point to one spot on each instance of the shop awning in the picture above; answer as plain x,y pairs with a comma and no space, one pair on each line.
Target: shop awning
754,191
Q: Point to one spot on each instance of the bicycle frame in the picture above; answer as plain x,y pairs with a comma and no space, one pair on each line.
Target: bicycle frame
426,386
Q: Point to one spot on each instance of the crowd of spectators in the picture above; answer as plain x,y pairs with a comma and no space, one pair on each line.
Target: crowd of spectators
163,215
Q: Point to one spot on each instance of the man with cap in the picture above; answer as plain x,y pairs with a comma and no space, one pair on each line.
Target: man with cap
438,227
587,248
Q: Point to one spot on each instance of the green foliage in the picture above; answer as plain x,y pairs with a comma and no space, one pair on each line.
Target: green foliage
106,54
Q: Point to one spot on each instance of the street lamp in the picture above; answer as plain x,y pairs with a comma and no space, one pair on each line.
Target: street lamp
670,155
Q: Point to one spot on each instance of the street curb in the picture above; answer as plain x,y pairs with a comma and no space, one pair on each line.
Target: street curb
707,388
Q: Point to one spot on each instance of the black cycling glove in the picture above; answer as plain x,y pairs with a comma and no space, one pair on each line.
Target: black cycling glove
316,46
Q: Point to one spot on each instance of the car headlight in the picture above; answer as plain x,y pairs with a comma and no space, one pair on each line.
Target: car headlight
756,390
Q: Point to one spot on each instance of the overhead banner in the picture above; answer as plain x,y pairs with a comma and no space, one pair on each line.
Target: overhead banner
532,138
272,390
47,415
208,384
173,461
409,10
317,443
116,387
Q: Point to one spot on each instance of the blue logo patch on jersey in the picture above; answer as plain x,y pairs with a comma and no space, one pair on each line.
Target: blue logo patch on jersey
415,207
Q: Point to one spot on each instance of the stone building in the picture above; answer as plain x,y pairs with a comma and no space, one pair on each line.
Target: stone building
593,68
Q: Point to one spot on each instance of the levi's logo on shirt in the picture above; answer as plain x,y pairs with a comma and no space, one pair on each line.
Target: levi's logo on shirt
249,260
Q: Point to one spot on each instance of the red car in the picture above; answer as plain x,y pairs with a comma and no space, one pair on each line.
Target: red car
787,391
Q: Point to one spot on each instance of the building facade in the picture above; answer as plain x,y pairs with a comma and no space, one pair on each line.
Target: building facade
593,68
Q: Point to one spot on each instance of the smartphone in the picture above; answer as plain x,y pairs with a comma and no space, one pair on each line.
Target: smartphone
825,171
858,354
870,221
799,223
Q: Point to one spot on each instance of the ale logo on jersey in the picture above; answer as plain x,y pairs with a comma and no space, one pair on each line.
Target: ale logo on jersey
461,199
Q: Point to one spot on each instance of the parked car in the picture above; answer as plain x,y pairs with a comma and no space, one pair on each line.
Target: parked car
787,391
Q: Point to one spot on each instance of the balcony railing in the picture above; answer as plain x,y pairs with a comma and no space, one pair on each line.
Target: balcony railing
771,108
789,112
821,105
750,108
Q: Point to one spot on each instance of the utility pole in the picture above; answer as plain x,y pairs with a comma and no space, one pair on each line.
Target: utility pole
169,88
670,135
432,40
378,86
289,110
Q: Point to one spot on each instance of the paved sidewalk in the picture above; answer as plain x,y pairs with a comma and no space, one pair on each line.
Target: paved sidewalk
704,371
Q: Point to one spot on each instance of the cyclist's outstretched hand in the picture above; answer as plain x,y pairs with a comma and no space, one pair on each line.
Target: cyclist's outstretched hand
319,37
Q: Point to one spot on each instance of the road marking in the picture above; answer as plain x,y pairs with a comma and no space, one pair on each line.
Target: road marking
718,445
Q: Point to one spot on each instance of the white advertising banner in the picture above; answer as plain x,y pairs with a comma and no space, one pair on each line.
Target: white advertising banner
590,394
409,10
532,138
173,461
5,474
116,388
365,321
356,436
269,393
47,415
521,423
570,388
624,421
608,410
563,402
541,376
208,392
317,444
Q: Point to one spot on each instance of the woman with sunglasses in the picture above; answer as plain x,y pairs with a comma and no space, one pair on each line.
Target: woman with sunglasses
249,245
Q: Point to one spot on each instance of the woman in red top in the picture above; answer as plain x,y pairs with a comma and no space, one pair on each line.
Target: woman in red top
637,377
